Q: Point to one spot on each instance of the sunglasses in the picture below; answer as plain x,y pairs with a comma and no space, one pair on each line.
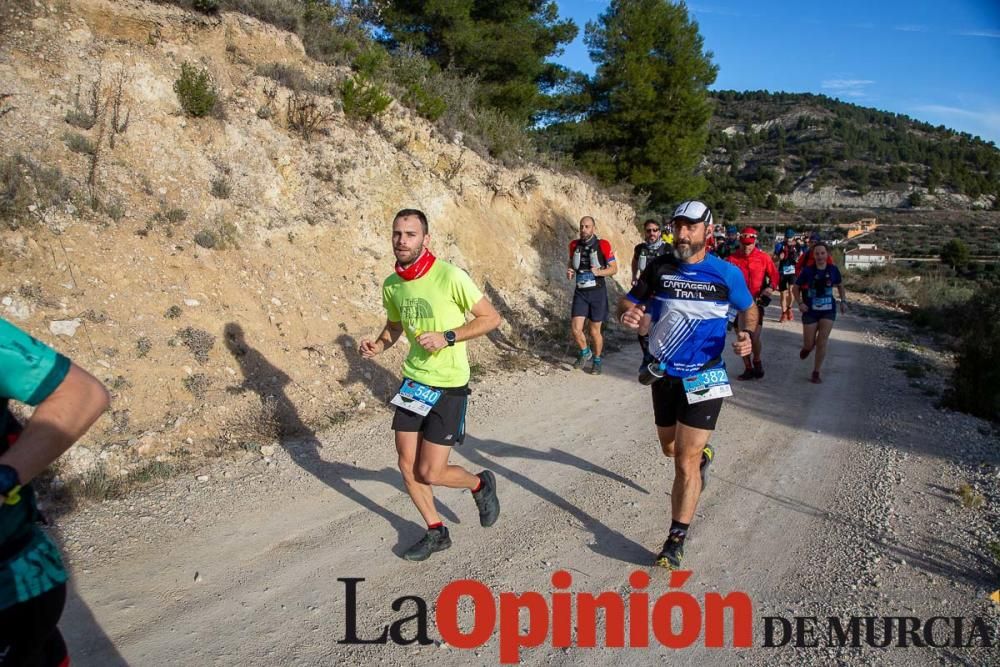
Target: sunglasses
748,237
650,230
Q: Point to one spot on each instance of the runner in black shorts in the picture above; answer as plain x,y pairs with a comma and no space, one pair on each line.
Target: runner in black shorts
813,292
591,261
445,423
428,299
686,295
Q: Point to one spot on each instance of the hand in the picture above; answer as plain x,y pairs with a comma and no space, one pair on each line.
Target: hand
843,307
632,317
768,292
369,349
803,308
432,341
743,345
569,274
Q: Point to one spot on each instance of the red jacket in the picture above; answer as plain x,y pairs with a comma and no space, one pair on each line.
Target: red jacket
755,267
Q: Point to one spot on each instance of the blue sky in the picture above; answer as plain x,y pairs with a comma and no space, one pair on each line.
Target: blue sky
936,61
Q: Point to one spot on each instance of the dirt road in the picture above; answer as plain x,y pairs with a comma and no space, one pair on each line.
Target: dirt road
825,500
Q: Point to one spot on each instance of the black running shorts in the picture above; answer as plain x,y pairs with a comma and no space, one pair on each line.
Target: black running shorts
670,406
591,303
814,316
785,283
444,424
28,632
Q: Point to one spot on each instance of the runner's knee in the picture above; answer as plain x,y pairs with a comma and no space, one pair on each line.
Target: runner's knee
428,474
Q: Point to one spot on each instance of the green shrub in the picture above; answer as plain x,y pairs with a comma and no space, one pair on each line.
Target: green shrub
80,119
206,6
78,143
206,238
975,384
363,99
221,187
195,91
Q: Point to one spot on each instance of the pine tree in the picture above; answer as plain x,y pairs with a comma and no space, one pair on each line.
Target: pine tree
504,44
649,122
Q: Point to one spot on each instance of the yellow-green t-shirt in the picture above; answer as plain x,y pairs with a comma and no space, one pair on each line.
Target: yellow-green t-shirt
437,301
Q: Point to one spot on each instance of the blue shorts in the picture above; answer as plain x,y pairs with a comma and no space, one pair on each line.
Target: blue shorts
591,303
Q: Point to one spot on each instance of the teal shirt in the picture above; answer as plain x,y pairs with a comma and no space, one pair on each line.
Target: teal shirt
29,372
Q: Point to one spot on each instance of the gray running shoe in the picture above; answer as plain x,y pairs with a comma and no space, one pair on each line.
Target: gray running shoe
434,540
486,499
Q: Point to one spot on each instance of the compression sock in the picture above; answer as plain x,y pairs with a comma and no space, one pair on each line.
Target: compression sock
644,344
679,529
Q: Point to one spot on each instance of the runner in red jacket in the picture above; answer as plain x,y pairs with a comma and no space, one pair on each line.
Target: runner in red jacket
760,275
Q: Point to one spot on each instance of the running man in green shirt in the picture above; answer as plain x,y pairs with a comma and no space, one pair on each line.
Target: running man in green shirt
428,299
32,576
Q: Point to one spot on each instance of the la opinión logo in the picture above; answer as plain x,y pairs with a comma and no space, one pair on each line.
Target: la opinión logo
629,621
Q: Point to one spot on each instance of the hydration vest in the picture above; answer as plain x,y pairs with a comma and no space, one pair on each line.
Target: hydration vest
585,261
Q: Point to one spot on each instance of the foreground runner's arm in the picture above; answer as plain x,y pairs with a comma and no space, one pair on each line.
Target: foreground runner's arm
58,421
748,320
386,339
485,319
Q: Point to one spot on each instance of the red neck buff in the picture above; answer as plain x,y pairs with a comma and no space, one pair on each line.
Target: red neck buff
419,268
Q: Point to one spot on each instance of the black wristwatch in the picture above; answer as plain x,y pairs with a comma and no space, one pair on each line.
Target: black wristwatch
9,480
450,337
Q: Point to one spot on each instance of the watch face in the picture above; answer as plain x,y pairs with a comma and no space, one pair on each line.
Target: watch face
450,337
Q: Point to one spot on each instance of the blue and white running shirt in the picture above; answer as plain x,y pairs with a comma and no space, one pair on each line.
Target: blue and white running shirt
688,304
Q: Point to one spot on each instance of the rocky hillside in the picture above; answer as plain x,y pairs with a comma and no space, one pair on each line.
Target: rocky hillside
815,152
218,272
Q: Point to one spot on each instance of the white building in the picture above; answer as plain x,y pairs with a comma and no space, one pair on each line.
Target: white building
866,256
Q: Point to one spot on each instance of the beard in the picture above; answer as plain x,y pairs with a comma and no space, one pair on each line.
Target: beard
685,251
406,257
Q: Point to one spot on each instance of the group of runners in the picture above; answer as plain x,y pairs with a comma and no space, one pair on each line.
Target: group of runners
679,302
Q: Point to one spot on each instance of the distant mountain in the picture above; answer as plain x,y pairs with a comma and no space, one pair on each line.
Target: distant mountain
768,150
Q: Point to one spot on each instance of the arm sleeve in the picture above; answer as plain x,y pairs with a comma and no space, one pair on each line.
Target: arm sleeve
739,295
643,288
572,247
29,369
464,291
609,254
391,310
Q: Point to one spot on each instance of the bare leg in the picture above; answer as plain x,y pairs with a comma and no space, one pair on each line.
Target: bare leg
433,468
684,444
576,328
595,335
808,336
407,448
822,336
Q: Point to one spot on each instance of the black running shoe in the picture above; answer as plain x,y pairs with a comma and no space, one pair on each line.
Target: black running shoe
748,374
672,552
707,455
434,540
486,499
595,367
758,369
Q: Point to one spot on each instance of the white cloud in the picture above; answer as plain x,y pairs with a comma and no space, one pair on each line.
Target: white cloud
979,33
910,28
847,87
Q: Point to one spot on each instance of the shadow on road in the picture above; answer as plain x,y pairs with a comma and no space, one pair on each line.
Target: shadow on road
270,384
607,541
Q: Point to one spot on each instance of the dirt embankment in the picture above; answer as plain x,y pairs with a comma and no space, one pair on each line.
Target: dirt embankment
210,347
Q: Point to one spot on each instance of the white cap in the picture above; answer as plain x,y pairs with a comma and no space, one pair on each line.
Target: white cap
693,210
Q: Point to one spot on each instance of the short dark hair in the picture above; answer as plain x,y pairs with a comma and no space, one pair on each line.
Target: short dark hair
413,213
651,221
